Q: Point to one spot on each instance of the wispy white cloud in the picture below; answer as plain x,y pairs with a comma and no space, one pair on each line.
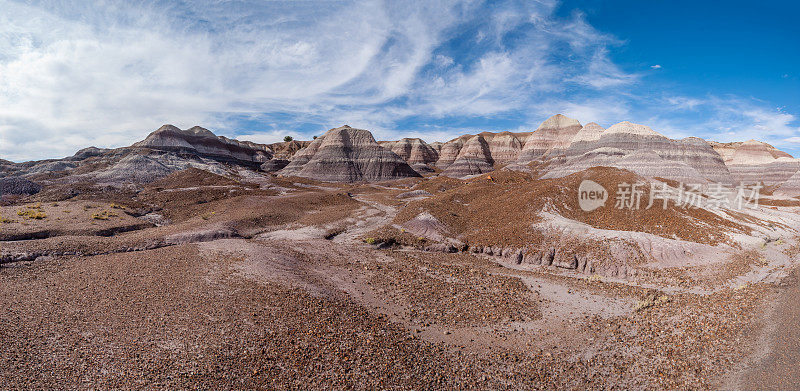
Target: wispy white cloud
604,74
792,140
75,73
724,119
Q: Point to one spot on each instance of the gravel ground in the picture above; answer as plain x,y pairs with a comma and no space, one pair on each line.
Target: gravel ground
304,312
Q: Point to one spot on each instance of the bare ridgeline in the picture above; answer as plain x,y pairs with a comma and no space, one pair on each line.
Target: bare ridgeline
191,260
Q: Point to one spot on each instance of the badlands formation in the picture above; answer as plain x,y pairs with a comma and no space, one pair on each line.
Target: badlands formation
347,155
189,260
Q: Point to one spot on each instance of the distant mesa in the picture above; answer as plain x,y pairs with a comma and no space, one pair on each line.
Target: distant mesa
751,152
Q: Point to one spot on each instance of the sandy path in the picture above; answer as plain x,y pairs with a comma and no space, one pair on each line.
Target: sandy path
779,370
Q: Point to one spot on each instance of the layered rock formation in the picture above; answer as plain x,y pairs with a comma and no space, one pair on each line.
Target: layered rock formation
790,187
286,150
274,165
505,147
449,151
770,174
473,158
346,154
555,133
202,142
583,141
640,149
748,153
754,161
487,149
133,168
414,151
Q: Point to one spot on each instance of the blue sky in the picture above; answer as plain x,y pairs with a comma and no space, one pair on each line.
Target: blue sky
74,73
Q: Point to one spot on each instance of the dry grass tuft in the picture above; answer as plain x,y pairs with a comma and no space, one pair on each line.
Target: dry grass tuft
652,300
104,215
32,212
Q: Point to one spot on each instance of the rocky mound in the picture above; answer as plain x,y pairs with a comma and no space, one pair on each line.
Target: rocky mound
88,152
274,165
505,147
555,133
500,149
50,166
133,168
427,226
203,142
790,187
642,150
346,154
748,153
473,158
449,151
414,151
18,186
754,161
286,150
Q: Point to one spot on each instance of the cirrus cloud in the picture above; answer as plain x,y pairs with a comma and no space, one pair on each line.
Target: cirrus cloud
74,73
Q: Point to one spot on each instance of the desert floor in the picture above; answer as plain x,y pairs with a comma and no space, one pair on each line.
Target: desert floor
270,285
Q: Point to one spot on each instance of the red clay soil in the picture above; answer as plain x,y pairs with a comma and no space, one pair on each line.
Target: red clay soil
500,208
180,317
192,177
